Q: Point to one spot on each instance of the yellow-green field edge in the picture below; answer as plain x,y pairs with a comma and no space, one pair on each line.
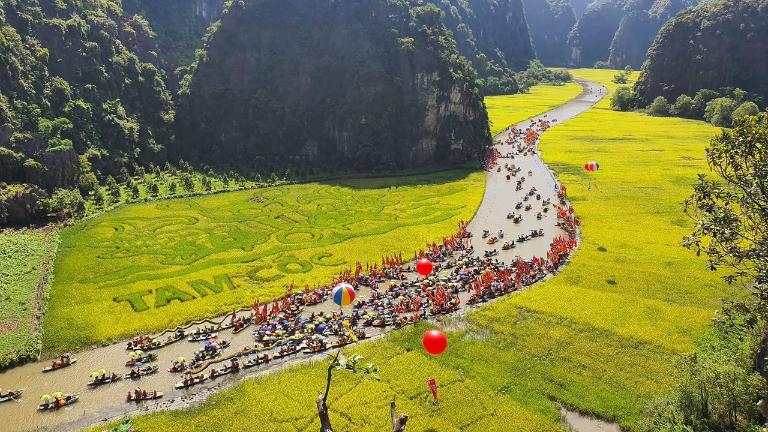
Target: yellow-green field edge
600,337
506,110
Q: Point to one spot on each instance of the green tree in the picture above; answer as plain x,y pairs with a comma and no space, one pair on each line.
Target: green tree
135,192
747,108
659,107
719,111
153,188
622,99
113,188
683,107
187,182
731,211
66,203
700,101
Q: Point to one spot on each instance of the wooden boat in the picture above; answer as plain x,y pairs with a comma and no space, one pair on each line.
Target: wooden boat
287,350
195,380
11,395
202,336
147,370
63,365
68,400
106,380
150,396
178,367
256,361
147,344
226,370
146,359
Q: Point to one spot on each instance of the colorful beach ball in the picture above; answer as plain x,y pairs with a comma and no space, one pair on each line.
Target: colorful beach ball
591,166
343,294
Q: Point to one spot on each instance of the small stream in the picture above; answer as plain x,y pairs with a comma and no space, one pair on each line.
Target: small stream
578,422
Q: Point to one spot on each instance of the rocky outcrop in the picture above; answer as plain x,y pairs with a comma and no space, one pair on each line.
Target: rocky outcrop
362,83
716,44
179,25
492,34
620,31
590,39
549,22
638,29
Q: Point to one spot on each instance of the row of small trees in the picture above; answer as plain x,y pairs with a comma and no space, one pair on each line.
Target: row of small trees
717,107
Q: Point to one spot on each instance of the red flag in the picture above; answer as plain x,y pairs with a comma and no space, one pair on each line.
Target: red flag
433,387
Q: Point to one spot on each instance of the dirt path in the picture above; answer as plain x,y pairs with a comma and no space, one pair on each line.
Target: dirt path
108,402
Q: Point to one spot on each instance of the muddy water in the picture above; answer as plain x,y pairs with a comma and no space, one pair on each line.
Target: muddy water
578,422
108,401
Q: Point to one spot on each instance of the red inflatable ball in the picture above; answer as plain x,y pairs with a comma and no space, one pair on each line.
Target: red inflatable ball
435,342
424,266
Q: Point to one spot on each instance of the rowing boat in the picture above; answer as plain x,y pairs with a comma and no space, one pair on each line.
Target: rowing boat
11,395
53,368
68,400
149,396
196,380
148,370
107,380
146,359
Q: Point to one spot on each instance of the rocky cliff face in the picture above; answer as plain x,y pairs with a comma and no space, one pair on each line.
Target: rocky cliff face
590,39
179,26
549,22
363,83
492,34
620,31
638,29
716,44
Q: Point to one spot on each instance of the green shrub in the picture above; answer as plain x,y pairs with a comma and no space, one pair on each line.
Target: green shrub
683,107
621,99
719,111
659,107
748,108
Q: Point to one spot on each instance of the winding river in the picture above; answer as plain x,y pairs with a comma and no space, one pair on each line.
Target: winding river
108,402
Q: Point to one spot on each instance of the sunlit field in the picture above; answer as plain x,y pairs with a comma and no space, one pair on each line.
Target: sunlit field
150,266
599,337
24,258
507,110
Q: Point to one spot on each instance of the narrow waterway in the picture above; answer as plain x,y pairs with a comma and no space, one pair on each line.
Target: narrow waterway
108,401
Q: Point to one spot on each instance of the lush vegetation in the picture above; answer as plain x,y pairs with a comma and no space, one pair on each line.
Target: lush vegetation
719,387
80,93
84,101
493,36
26,261
397,94
601,337
717,44
144,267
720,107
511,109
549,22
617,33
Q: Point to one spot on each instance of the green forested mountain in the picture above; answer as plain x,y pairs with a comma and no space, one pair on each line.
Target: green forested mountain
80,92
721,43
619,31
363,83
549,22
493,35
638,29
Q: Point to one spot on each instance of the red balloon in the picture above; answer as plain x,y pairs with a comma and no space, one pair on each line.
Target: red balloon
435,342
424,266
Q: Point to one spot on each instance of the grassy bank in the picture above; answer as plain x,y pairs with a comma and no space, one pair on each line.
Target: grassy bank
26,259
507,110
599,337
150,266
